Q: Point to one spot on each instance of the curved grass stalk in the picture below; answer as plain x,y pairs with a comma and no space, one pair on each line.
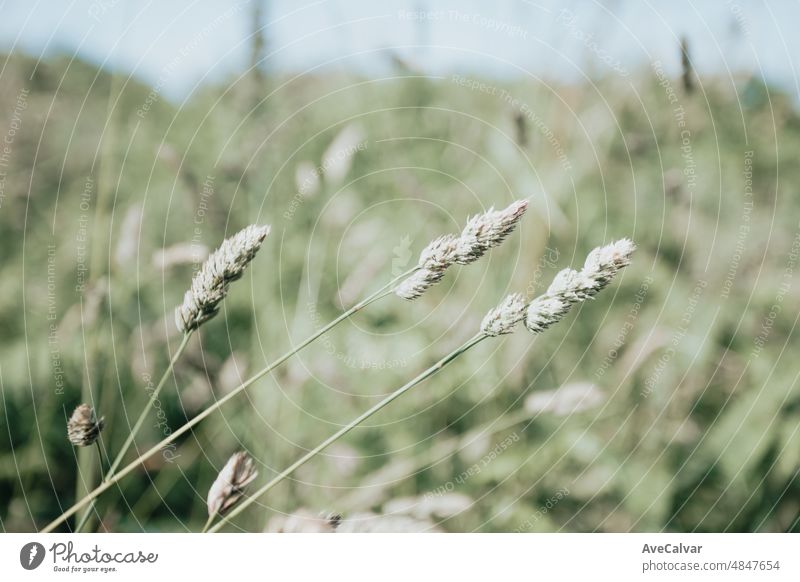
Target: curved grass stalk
116,477
136,427
481,233
567,289
346,429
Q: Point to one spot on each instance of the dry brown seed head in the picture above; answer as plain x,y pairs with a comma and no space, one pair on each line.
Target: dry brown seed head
228,488
83,428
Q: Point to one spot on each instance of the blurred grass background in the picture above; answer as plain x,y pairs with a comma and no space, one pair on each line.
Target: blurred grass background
679,422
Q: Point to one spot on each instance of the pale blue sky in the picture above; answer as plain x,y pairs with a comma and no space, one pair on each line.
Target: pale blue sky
207,39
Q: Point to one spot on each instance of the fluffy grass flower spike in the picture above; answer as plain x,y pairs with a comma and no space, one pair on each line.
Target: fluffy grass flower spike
481,233
210,284
488,230
505,317
570,286
422,280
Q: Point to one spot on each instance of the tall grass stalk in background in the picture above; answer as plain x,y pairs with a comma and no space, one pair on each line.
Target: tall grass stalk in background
568,288
481,233
83,430
105,186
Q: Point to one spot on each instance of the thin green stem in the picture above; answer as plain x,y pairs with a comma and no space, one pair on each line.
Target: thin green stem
208,522
137,426
153,397
101,457
347,428
103,465
108,483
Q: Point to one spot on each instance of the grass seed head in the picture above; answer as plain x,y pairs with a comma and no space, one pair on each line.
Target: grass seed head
570,286
488,230
416,284
440,253
210,284
544,312
83,427
603,263
228,488
481,233
505,317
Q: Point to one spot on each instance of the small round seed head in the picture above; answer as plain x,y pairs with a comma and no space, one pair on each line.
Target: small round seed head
505,317
488,230
210,284
228,488
545,311
416,284
83,428
440,253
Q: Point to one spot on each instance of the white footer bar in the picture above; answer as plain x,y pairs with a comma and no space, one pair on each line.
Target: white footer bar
388,557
